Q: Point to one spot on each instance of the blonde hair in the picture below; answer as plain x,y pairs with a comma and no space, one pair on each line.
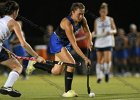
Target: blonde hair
104,6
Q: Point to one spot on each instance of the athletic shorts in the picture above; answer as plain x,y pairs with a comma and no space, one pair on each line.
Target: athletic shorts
4,55
105,49
55,44
19,50
137,51
123,54
133,52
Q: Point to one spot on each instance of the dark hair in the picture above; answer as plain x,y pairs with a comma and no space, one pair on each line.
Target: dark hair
8,8
104,6
76,6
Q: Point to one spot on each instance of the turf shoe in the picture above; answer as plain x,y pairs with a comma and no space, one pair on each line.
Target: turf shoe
10,91
99,80
70,93
30,67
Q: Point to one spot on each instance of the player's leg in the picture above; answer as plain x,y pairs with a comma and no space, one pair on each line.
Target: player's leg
65,56
107,63
124,59
57,69
137,54
20,51
16,68
99,66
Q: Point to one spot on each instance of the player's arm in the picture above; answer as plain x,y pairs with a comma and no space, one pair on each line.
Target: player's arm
17,29
113,27
69,32
86,29
94,33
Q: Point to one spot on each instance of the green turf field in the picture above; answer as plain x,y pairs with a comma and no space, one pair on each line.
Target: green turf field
39,87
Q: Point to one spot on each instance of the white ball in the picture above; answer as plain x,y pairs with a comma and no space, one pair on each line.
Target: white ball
91,95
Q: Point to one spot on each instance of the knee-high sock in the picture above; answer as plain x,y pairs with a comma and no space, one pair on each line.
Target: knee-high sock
107,67
13,76
68,80
99,71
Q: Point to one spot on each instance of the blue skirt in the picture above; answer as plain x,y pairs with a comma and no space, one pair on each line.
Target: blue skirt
55,44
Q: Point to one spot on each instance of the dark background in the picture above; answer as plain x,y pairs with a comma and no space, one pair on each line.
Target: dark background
44,12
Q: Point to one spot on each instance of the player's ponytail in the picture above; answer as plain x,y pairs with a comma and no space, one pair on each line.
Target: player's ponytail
8,8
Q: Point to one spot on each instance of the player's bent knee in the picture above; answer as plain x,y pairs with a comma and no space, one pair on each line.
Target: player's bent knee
55,72
18,69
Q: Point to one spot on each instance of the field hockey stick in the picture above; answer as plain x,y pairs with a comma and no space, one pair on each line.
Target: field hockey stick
88,73
47,61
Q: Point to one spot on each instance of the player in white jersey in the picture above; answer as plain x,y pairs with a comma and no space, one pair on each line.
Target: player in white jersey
104,29
9,12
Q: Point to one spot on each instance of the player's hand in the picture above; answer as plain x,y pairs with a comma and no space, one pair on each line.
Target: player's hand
40,59
90,44
108,33
87,61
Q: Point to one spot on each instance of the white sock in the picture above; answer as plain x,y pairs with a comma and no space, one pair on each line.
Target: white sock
99,71
107,67
13,76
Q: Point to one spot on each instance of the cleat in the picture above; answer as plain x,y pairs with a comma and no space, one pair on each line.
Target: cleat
4,90
10,91
106,77
76,95
99,80
70,93
30,67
